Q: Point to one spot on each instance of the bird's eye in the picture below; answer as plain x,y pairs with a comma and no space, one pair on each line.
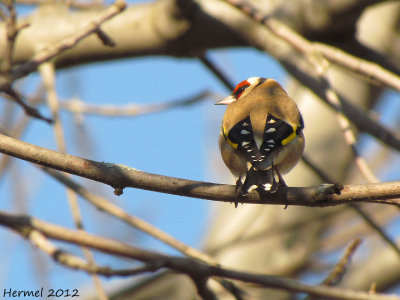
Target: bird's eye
240,88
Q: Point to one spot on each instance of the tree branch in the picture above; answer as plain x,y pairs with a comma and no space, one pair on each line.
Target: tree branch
167,27
24,226
121,176
31,111
80,107
336,275
75,262
53,50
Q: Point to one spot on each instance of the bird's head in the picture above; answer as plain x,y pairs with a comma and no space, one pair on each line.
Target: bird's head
242,89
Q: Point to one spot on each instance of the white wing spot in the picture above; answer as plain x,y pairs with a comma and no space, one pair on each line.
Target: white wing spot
244,144
252,188
271,141
270,130
267,186
245,124
244,131
272,121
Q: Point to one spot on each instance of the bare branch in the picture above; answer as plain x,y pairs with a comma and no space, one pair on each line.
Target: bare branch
367,69
48,75
368,219
217,72
193,268
52,51
340,268
11,35
12,30
105,39
29,110
78,4
121,176
74,262
47,71
80,107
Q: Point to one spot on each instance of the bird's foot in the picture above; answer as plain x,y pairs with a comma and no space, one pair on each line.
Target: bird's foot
239,184
238,187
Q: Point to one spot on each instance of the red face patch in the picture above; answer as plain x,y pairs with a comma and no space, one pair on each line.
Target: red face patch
240,88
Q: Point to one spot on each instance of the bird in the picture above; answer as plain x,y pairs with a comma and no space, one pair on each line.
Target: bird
261,135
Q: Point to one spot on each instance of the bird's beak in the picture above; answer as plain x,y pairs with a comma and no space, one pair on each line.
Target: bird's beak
226,101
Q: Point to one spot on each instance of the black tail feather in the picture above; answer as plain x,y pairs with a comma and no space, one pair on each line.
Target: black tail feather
259,179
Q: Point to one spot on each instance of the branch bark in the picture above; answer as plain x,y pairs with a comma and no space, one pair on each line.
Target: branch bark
121,176
166,27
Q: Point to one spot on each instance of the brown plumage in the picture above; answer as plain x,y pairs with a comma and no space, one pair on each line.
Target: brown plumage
261,134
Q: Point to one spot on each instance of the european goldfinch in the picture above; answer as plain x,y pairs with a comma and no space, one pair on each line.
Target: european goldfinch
261,134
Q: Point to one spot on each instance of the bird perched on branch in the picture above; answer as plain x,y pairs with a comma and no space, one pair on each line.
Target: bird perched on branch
261,135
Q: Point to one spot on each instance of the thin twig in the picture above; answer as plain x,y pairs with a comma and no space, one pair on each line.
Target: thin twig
11,24
377,228
18,129
359,66
77,4
74,262
79,107
348,133
104,38
47,71
12,31
340,268
336,275
51,51
217,72
32,111
372,289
